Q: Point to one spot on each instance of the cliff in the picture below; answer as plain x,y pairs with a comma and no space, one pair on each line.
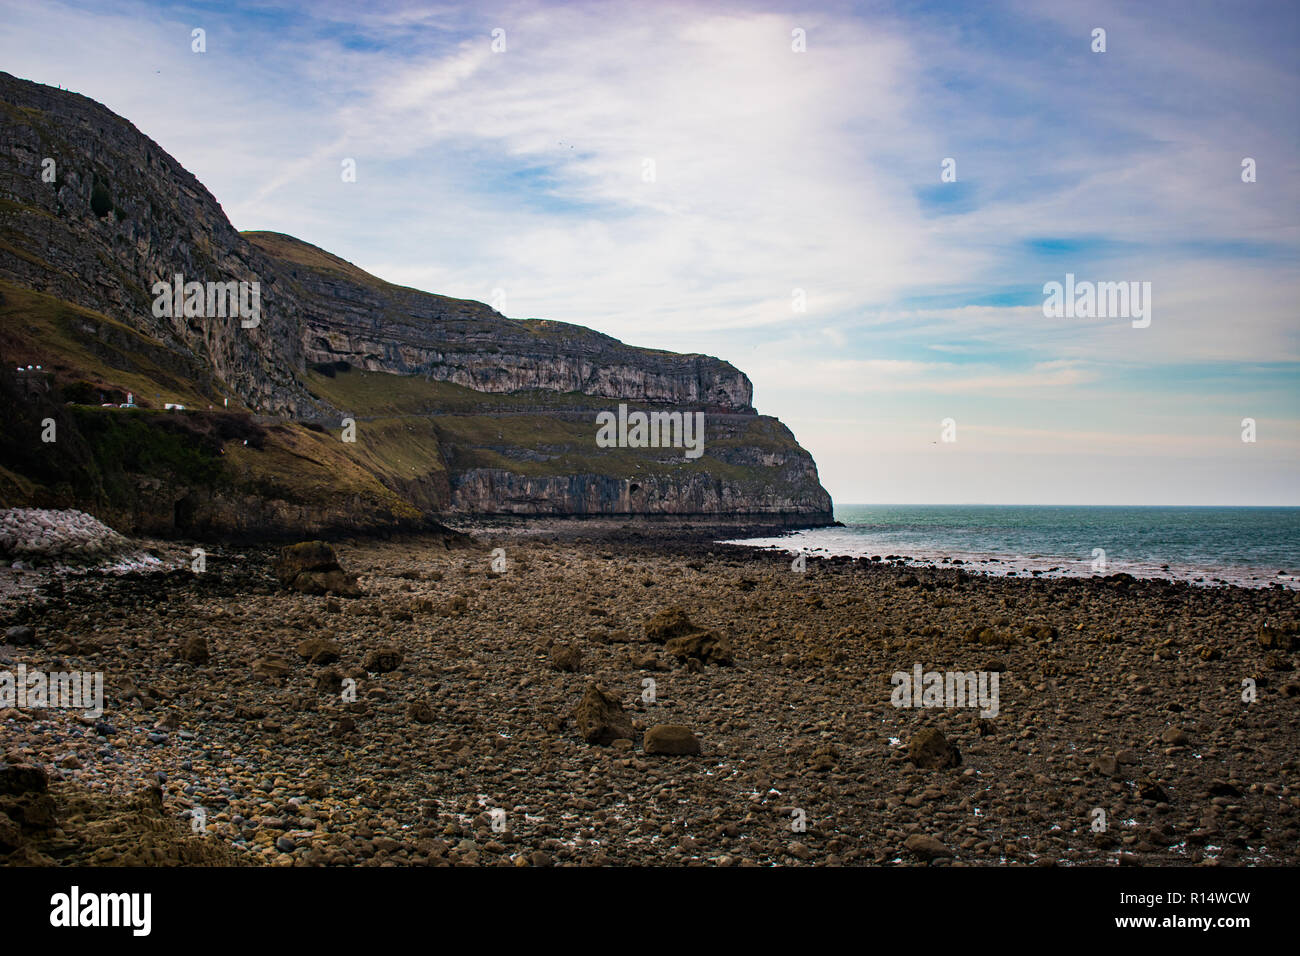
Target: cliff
457,409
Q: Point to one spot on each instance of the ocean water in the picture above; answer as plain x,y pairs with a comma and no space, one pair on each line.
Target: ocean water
1253,547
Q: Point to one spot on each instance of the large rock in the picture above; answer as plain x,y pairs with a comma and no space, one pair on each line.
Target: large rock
671,622
926,847
1277,636
383,659
294,559
929,749
272,667
708,647
311,567
319,650
19,635
566,657
18,779
194,649
685,640
672,739
600,718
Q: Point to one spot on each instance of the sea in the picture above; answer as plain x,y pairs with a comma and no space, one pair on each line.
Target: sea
1249,547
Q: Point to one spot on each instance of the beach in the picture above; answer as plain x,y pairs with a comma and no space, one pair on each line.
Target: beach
1141,722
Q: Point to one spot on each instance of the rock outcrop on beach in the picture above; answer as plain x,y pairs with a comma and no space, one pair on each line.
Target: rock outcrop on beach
452,407
41,534
310,567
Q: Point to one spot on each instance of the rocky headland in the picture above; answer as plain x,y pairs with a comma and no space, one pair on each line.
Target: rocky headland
347,404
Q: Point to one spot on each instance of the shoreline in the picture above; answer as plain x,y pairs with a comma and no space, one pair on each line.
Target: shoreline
1045,568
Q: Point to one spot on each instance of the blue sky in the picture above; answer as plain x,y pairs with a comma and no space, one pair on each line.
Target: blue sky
774,171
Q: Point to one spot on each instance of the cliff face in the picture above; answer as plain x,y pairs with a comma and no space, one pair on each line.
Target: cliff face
122,214
350,316
456,408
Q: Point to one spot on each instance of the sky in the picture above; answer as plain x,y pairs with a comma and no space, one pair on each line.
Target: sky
768,183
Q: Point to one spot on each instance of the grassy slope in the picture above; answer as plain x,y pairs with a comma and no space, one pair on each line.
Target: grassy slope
477,430
79,344
307,467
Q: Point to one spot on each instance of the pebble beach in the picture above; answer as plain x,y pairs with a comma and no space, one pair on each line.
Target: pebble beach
580,693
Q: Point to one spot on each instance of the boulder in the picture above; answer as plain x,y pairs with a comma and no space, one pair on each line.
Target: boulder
824,758
929,749
566,657
686,640
329,681
18,779
1276,636
383,659
600,718
310,567
926,847
669,623
707,647
194,649
20,635
318,650
271,666
672,739
420,712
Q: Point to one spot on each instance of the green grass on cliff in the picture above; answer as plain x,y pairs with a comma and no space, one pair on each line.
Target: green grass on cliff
313,469
488,430
79,344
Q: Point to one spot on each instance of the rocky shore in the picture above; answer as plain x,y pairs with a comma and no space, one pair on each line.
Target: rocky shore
608,694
